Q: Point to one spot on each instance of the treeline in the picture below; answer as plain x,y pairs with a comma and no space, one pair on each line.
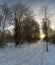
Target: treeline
5,39
26,29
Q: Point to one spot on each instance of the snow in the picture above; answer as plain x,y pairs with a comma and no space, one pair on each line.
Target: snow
33,54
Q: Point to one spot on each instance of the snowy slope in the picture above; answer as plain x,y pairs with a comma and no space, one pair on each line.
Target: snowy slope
35,54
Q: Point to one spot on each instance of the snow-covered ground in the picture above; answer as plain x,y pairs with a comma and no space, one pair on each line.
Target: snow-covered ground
34,54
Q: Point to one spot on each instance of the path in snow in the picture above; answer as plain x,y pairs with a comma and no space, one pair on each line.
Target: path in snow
35,54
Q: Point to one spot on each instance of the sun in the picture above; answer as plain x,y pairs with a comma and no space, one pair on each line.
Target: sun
42,36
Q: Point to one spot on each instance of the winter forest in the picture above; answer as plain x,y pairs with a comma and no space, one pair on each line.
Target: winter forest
27,32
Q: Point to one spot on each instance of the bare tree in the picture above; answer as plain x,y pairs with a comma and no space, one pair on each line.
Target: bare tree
46,22
20,12
5,12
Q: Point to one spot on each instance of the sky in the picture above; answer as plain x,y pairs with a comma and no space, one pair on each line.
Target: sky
35,6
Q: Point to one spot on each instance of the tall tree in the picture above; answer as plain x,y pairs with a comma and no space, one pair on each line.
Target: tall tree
20,12
5,12
46,22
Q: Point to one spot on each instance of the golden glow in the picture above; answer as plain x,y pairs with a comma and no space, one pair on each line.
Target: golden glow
42,36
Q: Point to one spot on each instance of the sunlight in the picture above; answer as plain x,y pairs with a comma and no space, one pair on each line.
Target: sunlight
42,36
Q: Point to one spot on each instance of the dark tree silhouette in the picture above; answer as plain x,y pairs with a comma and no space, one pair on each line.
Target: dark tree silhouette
20,12
46,22
30,30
